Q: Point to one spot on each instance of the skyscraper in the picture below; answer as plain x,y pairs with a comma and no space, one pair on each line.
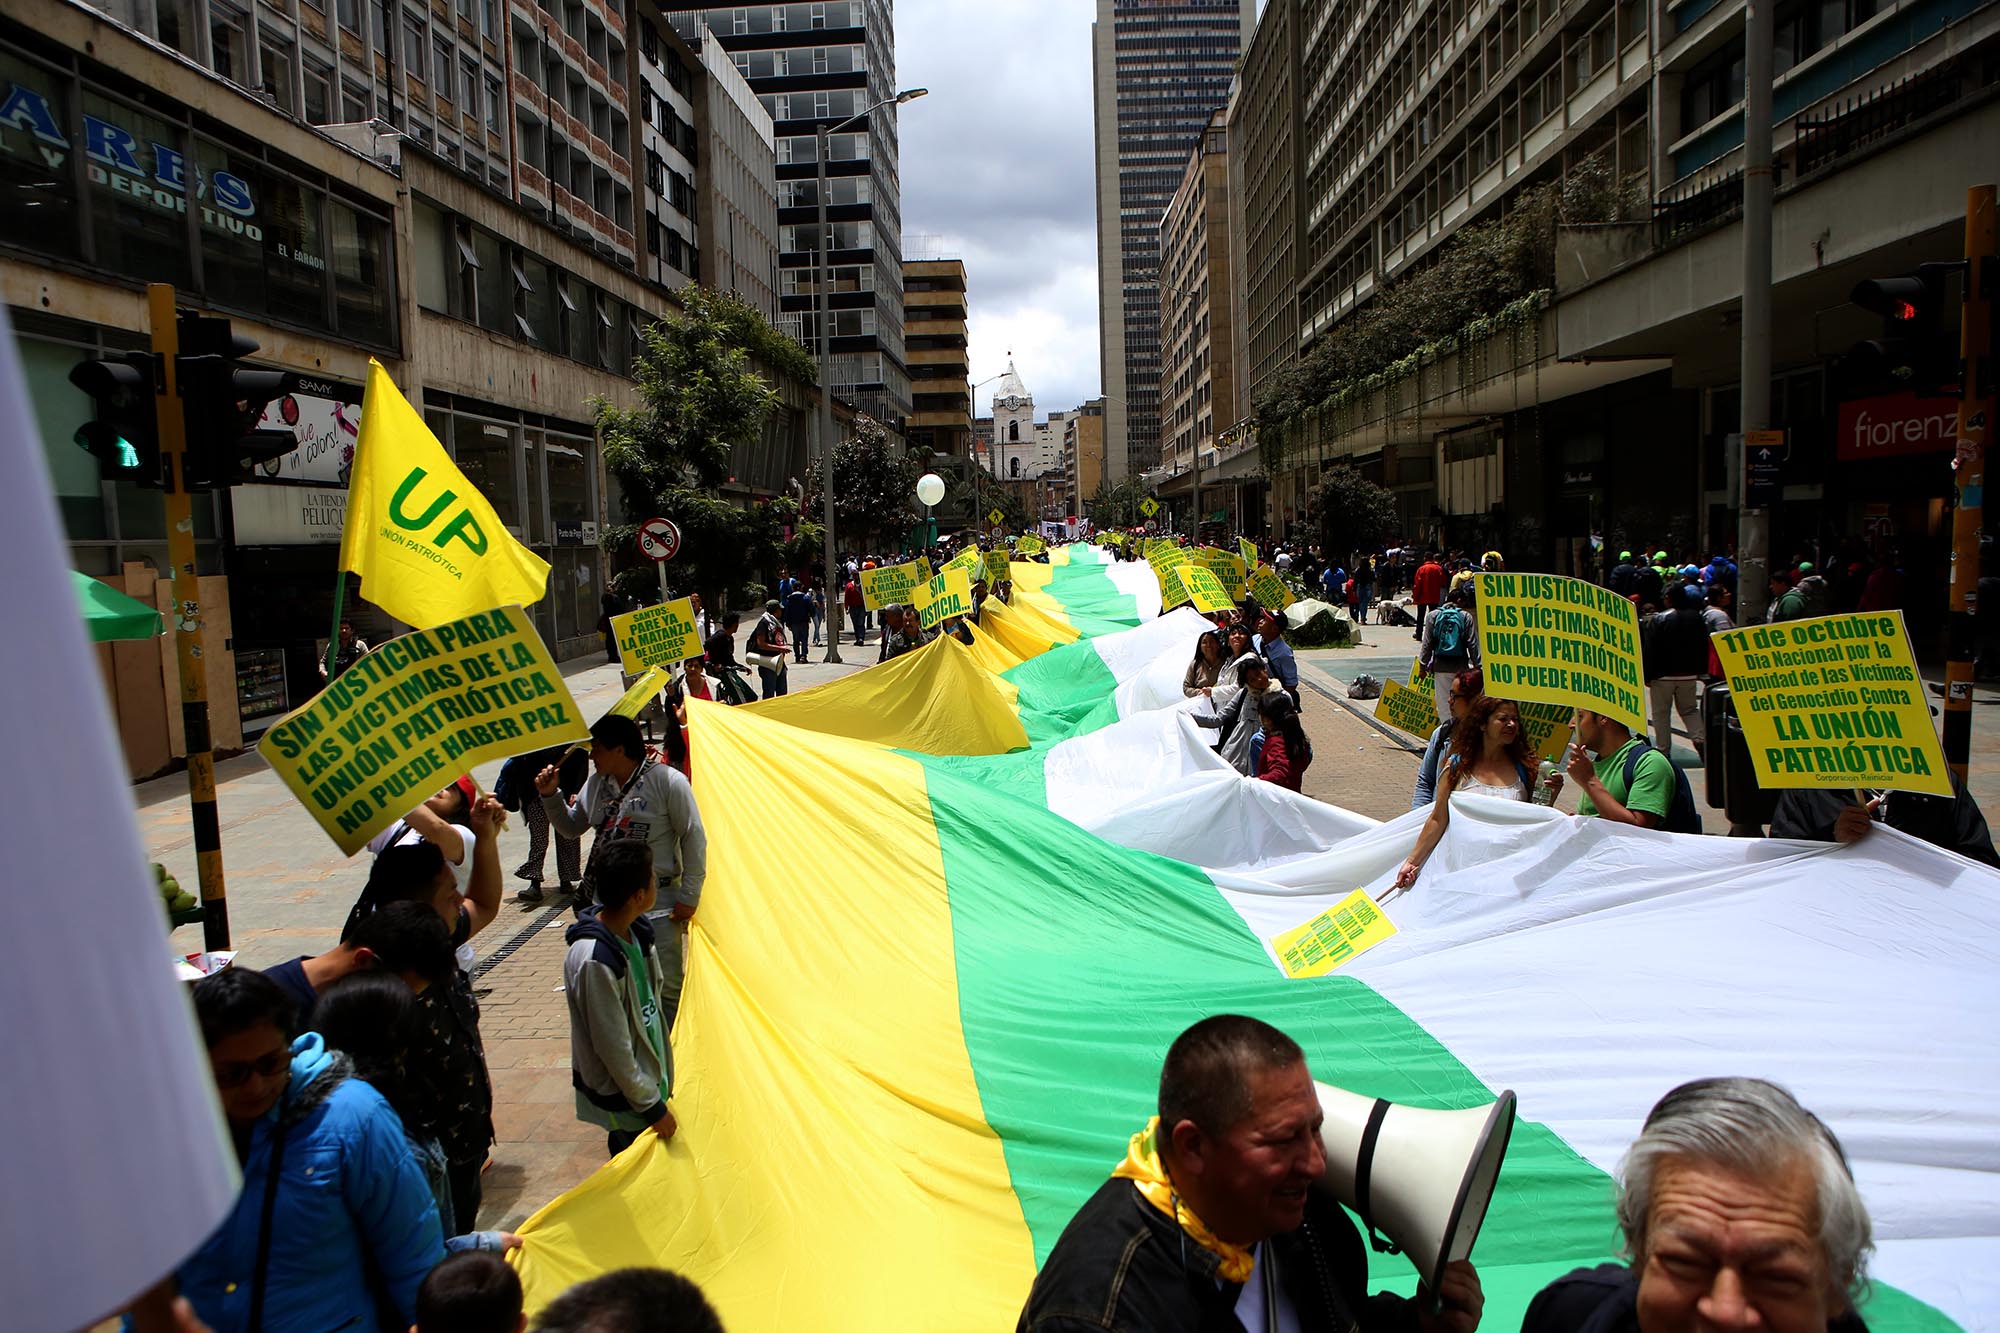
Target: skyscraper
813,65
1161,68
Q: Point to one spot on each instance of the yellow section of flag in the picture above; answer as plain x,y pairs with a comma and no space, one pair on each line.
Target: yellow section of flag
427,545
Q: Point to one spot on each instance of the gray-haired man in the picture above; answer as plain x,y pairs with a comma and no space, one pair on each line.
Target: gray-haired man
1739,1211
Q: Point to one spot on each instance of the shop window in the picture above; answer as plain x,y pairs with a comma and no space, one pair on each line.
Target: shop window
36,198
538,302
485,453
135,220
493,283
363,278
59,408
538,508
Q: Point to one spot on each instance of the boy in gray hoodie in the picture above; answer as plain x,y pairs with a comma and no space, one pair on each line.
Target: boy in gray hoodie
620,1060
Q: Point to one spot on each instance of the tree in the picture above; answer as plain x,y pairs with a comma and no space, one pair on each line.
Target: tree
1117,506
874,489
1354,513
701,396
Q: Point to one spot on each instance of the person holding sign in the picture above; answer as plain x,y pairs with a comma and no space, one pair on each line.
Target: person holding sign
1449,644
1489,756
1953,823
632,794
1629,783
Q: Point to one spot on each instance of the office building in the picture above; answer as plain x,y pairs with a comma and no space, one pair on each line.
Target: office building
737,200
1083,455
1198,374
816,65
1591,405
934,315
1159,71
665,72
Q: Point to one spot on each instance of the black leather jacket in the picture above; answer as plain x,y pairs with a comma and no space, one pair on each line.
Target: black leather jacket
1123,1266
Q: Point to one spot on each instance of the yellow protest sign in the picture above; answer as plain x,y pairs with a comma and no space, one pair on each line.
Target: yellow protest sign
1248,550
969,560
642,693
416,713
1337,936
1227,567
1407,710
1546,639
893,585
1834,701
996,568
1172,591
1166,556
1028,544
1547,726
1204,589
947,595
1269,590
657,635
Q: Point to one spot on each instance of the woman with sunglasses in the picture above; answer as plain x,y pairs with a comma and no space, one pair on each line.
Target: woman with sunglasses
335,1227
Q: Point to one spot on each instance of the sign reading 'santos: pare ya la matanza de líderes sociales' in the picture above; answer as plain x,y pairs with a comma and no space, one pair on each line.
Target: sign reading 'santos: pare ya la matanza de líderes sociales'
1835,701
417,713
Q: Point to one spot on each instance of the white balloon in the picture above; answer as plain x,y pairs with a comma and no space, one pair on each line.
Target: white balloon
930,488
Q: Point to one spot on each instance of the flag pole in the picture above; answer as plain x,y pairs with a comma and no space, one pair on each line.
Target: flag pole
339,608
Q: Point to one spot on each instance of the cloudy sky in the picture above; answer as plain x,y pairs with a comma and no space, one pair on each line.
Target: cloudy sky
998,163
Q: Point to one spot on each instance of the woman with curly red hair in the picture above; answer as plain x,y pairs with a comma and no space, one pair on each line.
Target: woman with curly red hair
1489,756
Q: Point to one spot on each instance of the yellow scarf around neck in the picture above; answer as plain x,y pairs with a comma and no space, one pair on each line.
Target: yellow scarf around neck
1142,1167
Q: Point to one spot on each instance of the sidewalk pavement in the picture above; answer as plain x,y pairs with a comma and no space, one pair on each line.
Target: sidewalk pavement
289,892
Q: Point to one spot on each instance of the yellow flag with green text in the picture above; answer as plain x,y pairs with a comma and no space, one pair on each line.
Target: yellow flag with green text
427,545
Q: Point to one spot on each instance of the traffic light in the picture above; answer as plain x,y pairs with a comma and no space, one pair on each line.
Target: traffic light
222,401
124,437
1918,349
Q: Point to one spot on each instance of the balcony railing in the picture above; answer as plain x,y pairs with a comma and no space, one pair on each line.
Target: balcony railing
1847,126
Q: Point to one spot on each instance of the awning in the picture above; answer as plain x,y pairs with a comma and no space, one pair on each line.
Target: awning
109,614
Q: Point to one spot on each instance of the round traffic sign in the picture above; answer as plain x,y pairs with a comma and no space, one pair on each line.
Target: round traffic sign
659,539
999,533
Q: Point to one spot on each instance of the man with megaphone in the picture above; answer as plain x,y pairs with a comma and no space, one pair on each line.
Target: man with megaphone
1213,1224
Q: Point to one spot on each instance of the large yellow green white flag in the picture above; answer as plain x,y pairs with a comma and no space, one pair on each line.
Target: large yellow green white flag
427,545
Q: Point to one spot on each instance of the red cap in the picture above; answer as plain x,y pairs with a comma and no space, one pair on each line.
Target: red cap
468,789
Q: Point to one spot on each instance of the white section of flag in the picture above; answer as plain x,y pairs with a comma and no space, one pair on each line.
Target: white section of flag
115,1158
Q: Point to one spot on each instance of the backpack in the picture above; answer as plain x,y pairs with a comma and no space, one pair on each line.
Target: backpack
1682,817
1447,632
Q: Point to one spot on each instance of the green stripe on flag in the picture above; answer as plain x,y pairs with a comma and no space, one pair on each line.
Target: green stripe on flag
1059,688
1079,962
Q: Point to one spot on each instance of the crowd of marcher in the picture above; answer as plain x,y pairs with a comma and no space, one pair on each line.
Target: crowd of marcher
355,1088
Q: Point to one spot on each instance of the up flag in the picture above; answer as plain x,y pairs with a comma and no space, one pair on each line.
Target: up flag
427,545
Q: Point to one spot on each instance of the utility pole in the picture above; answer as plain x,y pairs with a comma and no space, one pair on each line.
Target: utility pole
1976,404
1753,533
823,309
190,650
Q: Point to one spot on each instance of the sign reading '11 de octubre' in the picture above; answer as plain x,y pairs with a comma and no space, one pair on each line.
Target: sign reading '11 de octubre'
1835,701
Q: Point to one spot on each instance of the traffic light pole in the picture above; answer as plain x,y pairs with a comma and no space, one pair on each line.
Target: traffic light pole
1975,417
1753,530
187,619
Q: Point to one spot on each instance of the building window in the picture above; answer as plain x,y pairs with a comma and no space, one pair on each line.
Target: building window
739,22
1014,436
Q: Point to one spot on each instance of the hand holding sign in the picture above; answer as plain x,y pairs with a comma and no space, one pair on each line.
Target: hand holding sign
545,781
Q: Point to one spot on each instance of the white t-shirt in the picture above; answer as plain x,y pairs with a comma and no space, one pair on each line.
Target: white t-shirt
400,834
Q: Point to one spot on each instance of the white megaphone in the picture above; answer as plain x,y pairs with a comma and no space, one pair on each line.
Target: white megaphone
1422,1178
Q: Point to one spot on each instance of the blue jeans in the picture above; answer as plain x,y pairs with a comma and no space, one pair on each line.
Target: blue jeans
772,682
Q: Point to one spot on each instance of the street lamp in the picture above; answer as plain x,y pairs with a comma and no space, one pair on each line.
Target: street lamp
930,489
823,307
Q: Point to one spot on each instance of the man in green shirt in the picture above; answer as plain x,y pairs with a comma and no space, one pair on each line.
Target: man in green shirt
1604,791
620,1061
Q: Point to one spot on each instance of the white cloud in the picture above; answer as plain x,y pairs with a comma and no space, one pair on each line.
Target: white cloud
999,162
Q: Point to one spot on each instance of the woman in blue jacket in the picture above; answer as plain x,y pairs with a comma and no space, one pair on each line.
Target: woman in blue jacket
335,1227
